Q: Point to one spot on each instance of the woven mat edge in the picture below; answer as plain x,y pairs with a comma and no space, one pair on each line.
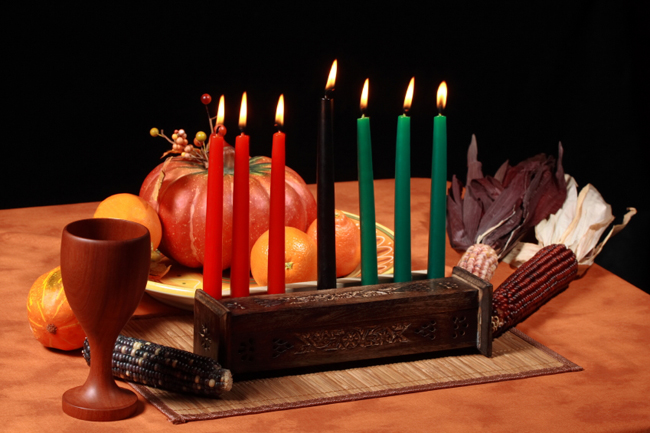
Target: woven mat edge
176,418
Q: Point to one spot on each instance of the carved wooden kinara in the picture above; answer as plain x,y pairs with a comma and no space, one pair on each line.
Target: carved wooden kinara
318,328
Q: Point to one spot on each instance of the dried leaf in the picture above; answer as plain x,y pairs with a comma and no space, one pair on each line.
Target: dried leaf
501,172
500,210
504,204
579,224
474,167
486,190
502,236
472,212
591,256
550,194
169,152
159,266
455,227
471,207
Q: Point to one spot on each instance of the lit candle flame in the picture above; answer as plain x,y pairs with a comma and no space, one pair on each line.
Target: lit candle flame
242,114
409,96
442,97
279,113
364,98
220,112
329,87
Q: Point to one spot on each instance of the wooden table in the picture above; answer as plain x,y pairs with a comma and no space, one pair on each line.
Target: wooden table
600,322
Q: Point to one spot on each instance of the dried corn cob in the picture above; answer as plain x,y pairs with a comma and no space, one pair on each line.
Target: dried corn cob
481,260
531,285
166,368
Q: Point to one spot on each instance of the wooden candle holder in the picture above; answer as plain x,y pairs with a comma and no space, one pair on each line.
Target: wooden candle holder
324,327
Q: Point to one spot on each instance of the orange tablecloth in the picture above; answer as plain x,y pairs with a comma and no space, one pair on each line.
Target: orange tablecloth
600,322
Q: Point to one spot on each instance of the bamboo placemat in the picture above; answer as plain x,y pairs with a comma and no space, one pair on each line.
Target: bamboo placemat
515,356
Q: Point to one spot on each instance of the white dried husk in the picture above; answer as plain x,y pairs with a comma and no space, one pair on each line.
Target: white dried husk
579,224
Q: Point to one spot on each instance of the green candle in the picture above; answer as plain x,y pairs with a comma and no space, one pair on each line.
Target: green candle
438,213
366,196
402,262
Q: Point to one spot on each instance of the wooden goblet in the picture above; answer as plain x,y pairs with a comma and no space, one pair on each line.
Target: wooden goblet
104,266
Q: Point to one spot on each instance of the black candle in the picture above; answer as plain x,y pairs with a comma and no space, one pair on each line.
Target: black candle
325,189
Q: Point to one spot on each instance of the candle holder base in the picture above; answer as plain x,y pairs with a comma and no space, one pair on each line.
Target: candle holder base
325,327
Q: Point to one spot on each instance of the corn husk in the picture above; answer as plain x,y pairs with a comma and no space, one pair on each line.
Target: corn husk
579,224
499,210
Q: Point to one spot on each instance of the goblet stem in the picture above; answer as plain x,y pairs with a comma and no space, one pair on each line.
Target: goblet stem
99,398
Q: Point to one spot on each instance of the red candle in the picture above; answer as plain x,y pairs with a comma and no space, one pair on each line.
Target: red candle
240,266
213,262
276,223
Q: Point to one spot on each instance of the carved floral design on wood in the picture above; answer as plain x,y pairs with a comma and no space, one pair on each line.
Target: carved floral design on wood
352,338
460,326
206,340
428,330
246,350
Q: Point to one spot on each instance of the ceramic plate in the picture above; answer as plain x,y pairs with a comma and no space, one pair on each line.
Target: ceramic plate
177,287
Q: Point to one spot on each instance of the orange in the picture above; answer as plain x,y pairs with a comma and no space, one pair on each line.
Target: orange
300,257
132,208
348,243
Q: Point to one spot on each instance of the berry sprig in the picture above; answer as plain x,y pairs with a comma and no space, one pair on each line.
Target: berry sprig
181,146
205,100
199,149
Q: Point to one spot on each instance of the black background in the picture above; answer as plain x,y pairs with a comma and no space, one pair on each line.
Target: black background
83,85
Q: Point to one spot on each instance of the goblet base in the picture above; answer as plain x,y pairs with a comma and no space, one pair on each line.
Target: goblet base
84,403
